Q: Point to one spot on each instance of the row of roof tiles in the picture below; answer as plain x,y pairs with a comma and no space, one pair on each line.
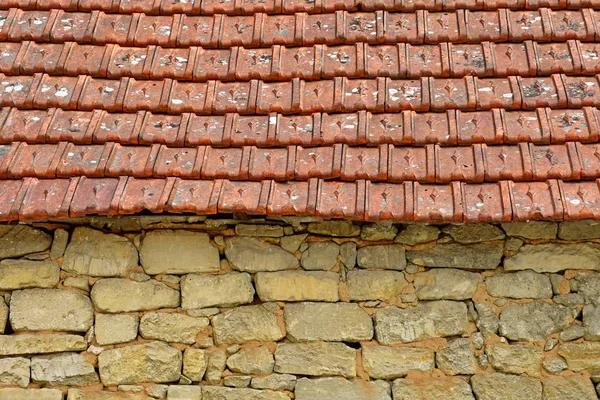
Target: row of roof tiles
301,29
42,91
432,163
312,63
34,198
248,7
406,128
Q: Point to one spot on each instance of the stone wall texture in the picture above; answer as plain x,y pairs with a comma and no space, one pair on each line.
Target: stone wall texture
189,308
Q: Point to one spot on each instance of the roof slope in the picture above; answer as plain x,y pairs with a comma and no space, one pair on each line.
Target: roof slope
435,111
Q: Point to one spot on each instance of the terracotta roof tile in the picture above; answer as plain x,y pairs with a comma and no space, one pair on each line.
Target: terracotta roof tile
437,111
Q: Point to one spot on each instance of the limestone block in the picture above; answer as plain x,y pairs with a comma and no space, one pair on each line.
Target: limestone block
315,359
531,229
336,322
515,358
457,358
418,233
568,388
95,253
375,232
25,274
19,240
165,251
244,324
533,321
334,228
15,371
115,295
251,361
446,284
320,256
79,394
224,393
274,382
297,286
59,243
391,256
382,362
65,369
203,291
40,343
148,362
423,321
432,389
341,389
30,394
50,309
259,230
473,233
497,386
579,230
464,256
116,328
184,392
520,285
251,255
171,327
554,257
195,362
581,356
375,285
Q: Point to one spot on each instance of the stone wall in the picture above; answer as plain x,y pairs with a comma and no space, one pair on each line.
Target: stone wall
187,308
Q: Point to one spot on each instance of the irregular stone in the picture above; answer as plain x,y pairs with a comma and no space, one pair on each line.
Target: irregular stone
195,362
59,243
203,291
555,365
557,282
532,230
51,310
375,285
487,320
533,321
515,358
157,391
348,253
216,365
334,228
122,295
519,285
297,286
274,382
573,332
418,233
569,300
3,315
341,389
374,232
238,381
550,344
12,345
497,386
259,230
336,322
81,283
252,361
66,369
554,257
382,362
244,324
446,284
19,240
148,362
14,371
432,389
224,393
30,394
581,356
457,358
252,255
320,256
117,328
478,340
315,359
464,256
579,230
473,233
24,274
171,327
568,388
184,392
78,394
165,251
292,243
588,285
95,253
423,321
514,244
385,256
591,322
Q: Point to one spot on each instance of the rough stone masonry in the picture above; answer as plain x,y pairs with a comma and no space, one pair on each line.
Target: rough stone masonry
190,308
